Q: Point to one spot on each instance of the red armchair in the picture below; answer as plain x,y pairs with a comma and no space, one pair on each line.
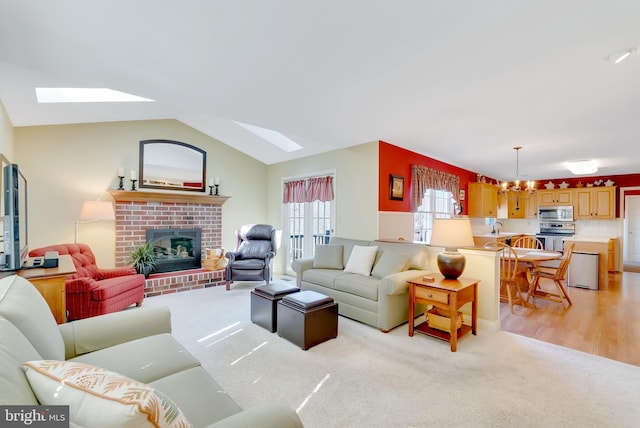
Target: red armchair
94,291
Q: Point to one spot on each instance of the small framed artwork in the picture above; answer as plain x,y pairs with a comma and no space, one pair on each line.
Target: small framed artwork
396,187
462,195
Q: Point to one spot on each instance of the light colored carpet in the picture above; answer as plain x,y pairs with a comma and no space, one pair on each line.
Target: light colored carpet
365,378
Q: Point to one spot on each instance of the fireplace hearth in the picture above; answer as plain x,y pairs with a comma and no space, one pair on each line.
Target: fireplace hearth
176,249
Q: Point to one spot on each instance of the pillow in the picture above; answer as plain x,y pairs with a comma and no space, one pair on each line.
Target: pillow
361,260
390,262
328,257
100,398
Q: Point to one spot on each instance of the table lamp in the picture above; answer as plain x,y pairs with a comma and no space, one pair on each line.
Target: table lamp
451,233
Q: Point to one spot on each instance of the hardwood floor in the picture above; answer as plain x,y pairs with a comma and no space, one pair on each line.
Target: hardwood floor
604,322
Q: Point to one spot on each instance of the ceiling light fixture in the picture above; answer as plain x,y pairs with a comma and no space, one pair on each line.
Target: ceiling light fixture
582,167
520,192
85,95
618,57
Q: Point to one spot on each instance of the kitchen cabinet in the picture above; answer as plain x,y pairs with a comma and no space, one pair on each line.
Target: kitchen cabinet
516,204
595,203
483,200
554,197
531,207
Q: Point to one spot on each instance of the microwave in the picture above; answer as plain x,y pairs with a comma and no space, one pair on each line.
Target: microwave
559,213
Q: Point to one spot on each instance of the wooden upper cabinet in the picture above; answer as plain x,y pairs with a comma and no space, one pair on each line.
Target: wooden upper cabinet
483,200
595,203
516,204
554,197
531,207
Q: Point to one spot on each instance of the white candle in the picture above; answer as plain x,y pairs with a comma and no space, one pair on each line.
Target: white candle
134,175
211,182
121,172
217,181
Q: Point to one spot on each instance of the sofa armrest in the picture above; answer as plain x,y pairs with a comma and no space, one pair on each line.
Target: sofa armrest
396,283
116,272
264,416
103,331
299,266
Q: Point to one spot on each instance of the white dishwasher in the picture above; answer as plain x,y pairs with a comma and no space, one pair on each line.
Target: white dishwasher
583,270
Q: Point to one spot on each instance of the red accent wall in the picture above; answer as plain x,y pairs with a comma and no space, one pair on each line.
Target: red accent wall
394,160
397,161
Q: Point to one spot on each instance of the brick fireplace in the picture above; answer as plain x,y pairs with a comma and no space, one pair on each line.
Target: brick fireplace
137,211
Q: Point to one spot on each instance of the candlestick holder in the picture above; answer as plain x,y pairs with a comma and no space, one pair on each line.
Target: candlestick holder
121,185
216,194
210,190
133,184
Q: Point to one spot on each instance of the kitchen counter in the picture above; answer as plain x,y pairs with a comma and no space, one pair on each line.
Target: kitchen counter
596,239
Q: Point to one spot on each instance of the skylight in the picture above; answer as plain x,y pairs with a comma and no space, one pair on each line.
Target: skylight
273,137
85,95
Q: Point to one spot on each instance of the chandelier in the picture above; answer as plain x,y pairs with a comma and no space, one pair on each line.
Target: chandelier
522,188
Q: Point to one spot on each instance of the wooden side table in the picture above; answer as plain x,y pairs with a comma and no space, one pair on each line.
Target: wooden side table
50,283
446,294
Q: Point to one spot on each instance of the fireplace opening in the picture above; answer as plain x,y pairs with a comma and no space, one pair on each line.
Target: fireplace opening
176,249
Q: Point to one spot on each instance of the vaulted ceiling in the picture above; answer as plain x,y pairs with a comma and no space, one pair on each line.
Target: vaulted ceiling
460,81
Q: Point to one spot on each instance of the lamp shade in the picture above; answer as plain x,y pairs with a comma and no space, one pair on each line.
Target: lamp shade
97,211
451,233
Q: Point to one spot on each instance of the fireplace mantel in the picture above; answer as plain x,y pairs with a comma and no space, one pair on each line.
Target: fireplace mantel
140,196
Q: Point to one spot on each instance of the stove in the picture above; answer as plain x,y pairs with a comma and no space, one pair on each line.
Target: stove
552,234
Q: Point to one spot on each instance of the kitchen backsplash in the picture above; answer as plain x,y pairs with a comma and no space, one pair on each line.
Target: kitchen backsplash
584,228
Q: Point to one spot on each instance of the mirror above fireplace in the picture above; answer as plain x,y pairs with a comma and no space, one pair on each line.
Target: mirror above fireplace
168,164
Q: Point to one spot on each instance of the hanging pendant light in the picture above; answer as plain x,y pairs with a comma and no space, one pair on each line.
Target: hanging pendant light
522,188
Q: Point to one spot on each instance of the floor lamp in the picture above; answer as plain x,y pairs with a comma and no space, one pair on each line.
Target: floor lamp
95,211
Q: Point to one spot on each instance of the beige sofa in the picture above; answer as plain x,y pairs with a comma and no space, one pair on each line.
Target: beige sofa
94,354
379,298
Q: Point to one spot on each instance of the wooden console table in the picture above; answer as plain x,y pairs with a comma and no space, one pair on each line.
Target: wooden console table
50,283
446,294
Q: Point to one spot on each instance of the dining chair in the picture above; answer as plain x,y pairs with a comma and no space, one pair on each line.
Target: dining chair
511,276
528,241
495,245
557,275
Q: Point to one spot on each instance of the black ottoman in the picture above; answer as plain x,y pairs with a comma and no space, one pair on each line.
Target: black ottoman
263,303
307,318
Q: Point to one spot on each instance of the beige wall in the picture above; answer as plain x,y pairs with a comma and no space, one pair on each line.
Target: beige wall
356,182
6,134
68,164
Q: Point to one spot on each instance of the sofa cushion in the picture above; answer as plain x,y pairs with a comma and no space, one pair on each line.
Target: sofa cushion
359,285
390,262
24,306
14,350
323,277
101,398
200,397
111,287
348,245
361,260
146,359
328,257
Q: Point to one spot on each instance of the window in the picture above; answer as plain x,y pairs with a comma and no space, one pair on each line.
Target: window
309,211
435,204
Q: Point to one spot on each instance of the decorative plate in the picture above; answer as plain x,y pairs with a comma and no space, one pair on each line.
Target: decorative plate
609,183
550,185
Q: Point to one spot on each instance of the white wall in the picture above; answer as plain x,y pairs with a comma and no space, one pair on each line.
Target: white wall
68,164
356,181
6,134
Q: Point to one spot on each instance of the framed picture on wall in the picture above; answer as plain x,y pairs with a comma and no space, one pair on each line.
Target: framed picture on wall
396,187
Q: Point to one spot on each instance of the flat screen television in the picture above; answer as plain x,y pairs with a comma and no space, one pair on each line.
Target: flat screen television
15,244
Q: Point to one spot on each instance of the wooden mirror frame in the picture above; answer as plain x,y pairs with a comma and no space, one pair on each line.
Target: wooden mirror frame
172,165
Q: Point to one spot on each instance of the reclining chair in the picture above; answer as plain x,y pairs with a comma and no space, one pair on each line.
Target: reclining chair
94,291
256,247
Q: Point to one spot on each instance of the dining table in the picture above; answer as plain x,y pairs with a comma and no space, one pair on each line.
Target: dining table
531,258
